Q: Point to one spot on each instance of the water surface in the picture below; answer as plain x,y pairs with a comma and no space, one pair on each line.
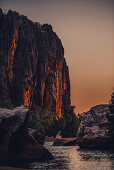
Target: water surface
73,158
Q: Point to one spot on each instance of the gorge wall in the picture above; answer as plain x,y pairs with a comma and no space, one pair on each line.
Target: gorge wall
33,70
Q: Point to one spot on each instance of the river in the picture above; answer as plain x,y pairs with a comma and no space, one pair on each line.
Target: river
73,158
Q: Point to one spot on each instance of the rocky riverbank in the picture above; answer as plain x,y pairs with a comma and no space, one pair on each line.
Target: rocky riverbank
93,131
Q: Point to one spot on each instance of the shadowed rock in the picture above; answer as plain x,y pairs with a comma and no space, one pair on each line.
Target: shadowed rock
10,122
18,143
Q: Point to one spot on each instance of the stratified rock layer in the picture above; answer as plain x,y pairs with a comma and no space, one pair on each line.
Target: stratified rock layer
33,69
93,131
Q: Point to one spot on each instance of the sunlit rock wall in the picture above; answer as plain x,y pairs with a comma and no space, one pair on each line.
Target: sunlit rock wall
33,70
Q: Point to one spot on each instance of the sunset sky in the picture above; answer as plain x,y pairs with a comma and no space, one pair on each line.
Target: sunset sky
86,28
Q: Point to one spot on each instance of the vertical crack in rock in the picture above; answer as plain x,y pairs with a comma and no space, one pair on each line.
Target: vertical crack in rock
11,56
33,67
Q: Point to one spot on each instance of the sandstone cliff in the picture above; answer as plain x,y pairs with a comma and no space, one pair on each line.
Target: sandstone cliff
33,70
93,131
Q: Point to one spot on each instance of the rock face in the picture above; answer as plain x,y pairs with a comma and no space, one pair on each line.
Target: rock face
93,131
33,70
18,143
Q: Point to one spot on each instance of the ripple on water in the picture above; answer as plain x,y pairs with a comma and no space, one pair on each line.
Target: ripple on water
73,158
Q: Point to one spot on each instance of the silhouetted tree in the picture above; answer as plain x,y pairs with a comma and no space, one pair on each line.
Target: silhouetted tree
111,116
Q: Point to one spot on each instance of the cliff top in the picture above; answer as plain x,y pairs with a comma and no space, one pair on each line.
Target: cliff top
10,13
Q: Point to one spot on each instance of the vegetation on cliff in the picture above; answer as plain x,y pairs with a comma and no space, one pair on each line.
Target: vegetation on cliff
72,123
41,119
47,123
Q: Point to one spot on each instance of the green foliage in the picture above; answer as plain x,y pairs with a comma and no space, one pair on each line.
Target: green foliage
45,122
57,126
72,124
41,119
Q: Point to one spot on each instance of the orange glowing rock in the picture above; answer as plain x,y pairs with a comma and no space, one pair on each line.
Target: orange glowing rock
28,94
11,56
34,70
42,91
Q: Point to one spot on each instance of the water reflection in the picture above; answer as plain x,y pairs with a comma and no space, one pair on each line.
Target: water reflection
91,159
73,158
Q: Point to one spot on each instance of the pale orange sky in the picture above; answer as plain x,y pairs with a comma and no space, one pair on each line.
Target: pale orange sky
86,28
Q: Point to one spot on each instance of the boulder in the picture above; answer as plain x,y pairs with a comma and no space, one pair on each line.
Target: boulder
29,149
10,122
93,131
38,137
17,143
